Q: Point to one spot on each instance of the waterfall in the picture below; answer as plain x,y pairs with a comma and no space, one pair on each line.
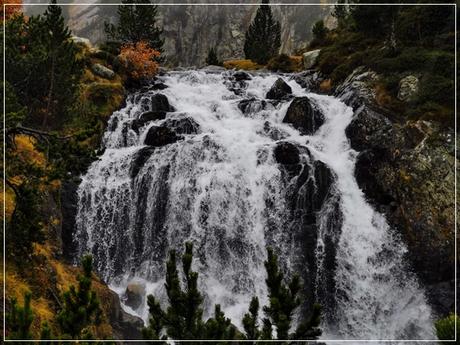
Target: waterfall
217,180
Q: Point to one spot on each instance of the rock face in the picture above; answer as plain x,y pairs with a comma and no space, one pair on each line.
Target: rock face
134,295
408,87
102,71
160,136
251,105
407,171
125,326
159,102
304,116
170,131
190,31
309,58
279,91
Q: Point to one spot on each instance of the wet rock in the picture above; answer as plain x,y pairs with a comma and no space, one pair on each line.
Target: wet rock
304,116
183,125
273,132
309,80
406,170
370,129
251,105
309,58
139,160
102,71
134,295
408,87
358,88
241,75
279,91
147,117
286,153
125,325
160,136
157,102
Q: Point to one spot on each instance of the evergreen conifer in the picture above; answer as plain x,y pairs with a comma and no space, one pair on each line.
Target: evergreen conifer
19,320
136,24
212,58
81,305
263,37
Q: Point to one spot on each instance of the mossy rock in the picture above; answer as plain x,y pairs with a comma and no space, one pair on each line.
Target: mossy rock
106,97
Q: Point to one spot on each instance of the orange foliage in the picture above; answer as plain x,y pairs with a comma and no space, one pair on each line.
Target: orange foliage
10,10
138,59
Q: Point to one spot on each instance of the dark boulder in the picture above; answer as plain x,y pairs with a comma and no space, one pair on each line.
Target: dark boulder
241,75
134,295
160,136
182,125
273,132
251,105
279,91
125,325
147,117
286,153
304,116
157,102
139,160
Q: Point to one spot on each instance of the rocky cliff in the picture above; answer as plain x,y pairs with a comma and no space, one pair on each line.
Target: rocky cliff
190,31
406,168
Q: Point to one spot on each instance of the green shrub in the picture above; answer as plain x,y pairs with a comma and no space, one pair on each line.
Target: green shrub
281,63
445,328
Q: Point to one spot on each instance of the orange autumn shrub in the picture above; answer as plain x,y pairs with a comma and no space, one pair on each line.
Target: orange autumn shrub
10,10
138,60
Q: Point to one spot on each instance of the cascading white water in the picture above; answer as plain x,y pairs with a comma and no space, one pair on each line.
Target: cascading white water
222,189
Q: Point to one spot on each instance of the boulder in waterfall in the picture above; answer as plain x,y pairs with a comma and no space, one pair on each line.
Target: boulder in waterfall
241,75
139,160
286,153
124,325
160,136
279,91
273,132
134,295
182,125
157,102
147,117
408,87
102,71
304,116
309,58
251,105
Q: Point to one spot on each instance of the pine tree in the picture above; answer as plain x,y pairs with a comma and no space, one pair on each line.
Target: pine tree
45,334
283,300
263,37
136,24
43,66
81,305
319,30
64,69
183,319
19,320
340,12
212,58
250,320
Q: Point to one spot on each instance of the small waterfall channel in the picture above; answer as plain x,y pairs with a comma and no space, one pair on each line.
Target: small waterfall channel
224,171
